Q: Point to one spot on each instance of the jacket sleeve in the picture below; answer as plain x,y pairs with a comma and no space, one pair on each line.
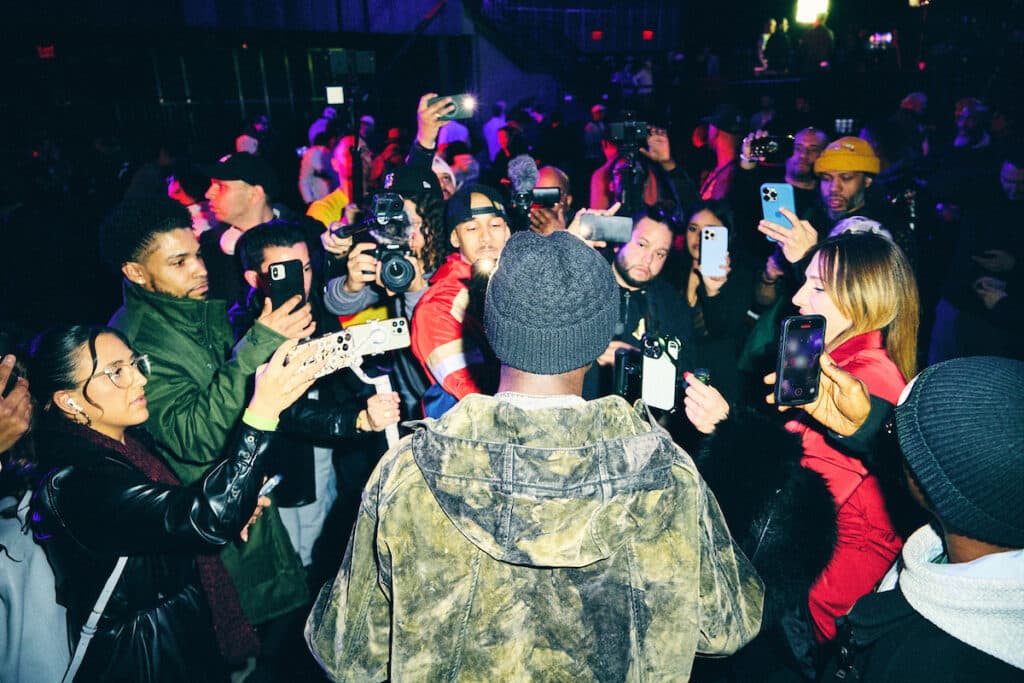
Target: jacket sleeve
725,315
318,419
452,358
731,593
340,302
349,628
194,421
116,510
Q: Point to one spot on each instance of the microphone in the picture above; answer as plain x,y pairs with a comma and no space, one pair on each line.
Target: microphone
522,172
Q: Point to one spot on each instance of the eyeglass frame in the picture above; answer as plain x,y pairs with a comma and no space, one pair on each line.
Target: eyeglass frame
139,363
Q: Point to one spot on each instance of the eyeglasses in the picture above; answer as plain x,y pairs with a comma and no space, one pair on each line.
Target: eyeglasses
121,376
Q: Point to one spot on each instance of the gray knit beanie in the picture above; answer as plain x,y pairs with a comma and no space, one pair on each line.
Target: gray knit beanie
961,430
551,304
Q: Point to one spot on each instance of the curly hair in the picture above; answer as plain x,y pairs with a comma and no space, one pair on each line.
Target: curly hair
128,233
437,246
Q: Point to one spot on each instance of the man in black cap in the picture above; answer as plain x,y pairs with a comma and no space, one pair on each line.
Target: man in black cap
952,609
241,188
447,336
726,127
532,534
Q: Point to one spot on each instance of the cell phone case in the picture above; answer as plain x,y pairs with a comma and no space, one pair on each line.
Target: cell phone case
285,282
798,367
348,347
773,197
714,250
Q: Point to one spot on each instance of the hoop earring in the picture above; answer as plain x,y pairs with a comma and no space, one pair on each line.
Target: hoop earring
85,420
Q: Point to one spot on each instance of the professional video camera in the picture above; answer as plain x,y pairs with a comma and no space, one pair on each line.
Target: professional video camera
630,135
389,227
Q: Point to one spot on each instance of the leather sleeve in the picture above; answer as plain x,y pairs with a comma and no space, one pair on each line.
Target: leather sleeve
110,507
321,419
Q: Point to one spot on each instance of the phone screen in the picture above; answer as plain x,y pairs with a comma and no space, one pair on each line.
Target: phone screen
799,366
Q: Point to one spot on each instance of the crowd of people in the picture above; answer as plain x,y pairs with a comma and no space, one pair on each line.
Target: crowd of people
533,523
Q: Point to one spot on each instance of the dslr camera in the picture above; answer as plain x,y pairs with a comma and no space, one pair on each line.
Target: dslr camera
389,227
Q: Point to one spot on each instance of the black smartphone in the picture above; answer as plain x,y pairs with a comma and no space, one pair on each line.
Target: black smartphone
465,107
799,364
285,282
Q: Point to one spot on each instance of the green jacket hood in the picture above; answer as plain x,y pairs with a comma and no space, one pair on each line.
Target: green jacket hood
569,503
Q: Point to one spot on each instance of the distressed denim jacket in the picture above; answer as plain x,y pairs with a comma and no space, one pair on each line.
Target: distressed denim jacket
508,544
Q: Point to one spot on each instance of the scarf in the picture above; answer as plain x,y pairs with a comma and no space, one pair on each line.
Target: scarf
236,638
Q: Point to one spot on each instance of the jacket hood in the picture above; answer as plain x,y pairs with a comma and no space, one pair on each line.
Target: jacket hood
980,603
549,487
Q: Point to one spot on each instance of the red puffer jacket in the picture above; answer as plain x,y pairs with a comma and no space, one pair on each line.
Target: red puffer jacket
867,543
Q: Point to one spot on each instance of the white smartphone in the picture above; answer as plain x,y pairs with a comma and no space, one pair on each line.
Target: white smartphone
714,250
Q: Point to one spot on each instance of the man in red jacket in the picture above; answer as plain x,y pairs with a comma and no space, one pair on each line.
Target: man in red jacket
447,336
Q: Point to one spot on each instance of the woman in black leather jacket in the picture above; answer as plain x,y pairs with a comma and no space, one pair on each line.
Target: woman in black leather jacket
101,494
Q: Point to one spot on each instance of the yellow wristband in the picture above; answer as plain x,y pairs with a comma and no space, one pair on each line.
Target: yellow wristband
362,422
262,423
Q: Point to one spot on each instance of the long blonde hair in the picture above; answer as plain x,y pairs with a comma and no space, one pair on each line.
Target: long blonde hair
872,284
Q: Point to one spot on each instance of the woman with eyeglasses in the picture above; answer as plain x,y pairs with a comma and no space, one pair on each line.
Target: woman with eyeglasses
102,494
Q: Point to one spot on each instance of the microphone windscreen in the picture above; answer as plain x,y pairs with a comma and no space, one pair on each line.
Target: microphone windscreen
522,172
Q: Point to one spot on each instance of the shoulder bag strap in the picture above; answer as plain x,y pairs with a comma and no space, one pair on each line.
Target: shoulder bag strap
89,628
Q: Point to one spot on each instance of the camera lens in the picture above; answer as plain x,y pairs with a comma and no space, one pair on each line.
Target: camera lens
396,273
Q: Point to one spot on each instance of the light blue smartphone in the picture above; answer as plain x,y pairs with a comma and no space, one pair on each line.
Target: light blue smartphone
773,197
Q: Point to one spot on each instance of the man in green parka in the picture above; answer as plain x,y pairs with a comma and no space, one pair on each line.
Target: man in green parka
533,535
200,378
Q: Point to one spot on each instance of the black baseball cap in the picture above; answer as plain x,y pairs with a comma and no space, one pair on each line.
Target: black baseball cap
730,118
460,205
248,168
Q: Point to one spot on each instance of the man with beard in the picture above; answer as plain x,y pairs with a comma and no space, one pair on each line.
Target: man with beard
845,171
198,388
647,303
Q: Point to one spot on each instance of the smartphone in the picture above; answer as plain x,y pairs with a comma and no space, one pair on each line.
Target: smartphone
775,196
714,250
285,282
658,384
798,368
465,107
348,347
546,196
606,228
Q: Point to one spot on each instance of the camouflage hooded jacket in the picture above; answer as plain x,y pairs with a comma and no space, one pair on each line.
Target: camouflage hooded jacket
554,544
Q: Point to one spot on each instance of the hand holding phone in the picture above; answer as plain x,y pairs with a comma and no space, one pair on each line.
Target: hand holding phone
798,366
597,228
775,196
286,281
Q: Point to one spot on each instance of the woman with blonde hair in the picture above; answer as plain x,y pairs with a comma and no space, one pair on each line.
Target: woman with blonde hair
817,558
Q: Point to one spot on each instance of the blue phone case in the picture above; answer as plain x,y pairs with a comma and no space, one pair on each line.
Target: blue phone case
773,197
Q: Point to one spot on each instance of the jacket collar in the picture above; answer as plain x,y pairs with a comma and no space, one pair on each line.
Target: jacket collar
854,345
183,312
453,266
